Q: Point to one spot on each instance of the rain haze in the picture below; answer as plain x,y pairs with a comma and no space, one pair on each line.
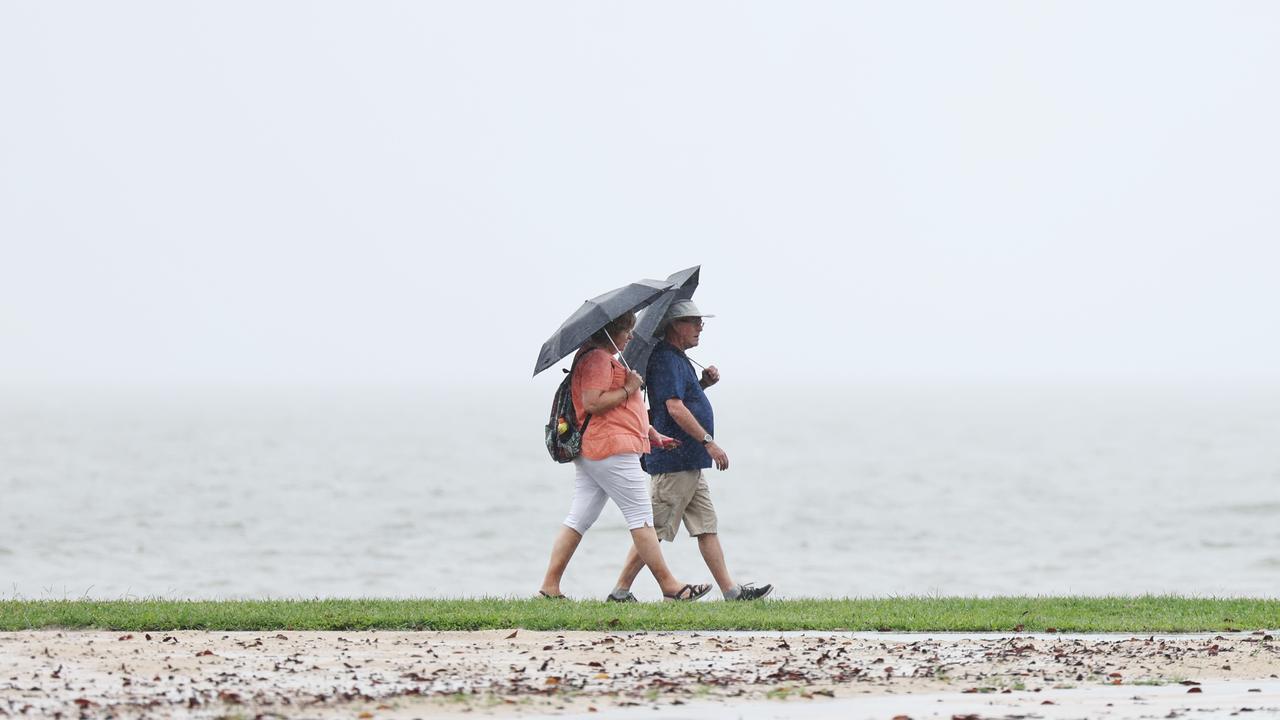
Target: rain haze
275,275
419,192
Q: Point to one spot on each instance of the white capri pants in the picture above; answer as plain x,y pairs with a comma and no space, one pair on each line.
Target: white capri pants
619,477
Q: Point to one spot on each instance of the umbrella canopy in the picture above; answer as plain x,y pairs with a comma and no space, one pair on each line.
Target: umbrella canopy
649,325
594,315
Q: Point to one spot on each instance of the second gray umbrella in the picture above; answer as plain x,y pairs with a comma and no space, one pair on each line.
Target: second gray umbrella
649,327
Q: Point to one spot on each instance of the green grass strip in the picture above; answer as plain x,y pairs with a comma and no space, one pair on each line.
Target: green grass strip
1149,613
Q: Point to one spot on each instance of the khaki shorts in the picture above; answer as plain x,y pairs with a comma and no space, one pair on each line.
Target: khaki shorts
680,495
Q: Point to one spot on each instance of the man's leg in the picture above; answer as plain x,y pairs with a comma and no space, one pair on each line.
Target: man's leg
713,555
631,568
700,518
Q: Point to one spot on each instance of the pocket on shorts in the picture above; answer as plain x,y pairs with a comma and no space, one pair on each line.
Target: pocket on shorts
662,506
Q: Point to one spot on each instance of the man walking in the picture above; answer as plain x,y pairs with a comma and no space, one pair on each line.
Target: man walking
681,410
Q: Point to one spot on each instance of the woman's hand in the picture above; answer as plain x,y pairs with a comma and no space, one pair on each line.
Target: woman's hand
633,382
662,442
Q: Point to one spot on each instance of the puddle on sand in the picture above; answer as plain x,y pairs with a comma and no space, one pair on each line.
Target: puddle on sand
1216,699
909,637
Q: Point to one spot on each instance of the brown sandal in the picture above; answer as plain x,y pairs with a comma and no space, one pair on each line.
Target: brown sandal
689,593
548,596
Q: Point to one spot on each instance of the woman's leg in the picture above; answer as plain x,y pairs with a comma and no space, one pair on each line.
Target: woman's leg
623,479
561,552
588,501
645,540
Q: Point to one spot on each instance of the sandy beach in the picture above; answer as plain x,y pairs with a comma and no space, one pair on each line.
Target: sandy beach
521,673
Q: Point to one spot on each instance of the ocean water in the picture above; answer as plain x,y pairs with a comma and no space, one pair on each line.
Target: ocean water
868,491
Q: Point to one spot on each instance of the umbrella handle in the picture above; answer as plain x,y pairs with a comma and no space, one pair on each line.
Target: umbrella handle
622,360
617,351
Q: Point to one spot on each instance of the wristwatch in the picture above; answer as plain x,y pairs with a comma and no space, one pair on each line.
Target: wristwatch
706,438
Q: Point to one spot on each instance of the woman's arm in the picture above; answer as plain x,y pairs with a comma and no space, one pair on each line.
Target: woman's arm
596,402
599,401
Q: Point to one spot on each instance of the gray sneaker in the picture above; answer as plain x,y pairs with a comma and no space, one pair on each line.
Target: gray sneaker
624,597
748,591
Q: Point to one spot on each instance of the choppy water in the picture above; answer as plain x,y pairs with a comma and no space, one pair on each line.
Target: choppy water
849,493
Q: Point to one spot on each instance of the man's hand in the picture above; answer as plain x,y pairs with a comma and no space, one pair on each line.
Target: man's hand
710,376
718,456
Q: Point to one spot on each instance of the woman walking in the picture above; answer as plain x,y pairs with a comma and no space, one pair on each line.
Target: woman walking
609,465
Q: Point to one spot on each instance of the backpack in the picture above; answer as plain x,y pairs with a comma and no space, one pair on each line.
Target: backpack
562,434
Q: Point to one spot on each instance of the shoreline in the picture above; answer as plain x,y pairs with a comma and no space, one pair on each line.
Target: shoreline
515,672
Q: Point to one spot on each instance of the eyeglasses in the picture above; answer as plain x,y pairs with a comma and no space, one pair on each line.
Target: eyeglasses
693,320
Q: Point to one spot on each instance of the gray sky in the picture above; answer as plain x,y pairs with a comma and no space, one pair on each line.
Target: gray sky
351,192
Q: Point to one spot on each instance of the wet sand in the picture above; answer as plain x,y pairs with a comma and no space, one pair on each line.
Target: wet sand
580,674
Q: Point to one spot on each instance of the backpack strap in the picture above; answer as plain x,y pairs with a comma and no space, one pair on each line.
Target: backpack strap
582,430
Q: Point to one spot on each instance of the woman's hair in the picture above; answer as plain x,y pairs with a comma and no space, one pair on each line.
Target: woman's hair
603,336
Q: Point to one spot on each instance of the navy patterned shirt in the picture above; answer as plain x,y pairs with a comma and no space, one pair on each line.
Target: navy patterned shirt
671,375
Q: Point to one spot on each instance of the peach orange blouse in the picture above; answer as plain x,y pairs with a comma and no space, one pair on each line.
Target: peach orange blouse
623,429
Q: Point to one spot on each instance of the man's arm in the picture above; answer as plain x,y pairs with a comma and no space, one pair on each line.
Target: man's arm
690,424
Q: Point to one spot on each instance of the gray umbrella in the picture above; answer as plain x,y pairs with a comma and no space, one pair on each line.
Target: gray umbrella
594,315
649,326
